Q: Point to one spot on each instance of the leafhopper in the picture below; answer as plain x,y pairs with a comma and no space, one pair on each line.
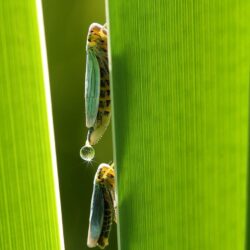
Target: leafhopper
103,207
97,89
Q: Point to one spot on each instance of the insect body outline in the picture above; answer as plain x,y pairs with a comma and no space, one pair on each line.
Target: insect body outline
97,88
103,207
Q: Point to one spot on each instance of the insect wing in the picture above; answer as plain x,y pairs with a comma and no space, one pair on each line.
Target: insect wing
92,88
96,216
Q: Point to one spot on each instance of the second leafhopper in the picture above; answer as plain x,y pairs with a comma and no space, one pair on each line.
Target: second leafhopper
97,89
103,207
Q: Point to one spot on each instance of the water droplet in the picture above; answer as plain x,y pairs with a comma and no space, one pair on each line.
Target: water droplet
87,152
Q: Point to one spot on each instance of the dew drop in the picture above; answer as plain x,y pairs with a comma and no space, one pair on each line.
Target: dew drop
87,152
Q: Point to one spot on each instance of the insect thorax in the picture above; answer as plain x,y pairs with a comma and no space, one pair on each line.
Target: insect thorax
106,176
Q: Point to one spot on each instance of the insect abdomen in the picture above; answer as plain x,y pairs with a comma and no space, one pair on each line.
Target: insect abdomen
107,219
104,108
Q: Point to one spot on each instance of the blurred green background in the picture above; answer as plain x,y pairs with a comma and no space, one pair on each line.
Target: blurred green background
66,26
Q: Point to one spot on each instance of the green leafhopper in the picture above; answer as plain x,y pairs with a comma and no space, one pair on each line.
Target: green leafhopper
103,208
97,89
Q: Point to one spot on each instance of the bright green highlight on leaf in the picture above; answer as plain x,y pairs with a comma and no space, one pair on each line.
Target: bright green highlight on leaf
28,205
180,73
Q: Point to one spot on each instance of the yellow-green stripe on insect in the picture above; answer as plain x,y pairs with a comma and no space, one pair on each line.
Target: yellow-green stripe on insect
103,207
97,89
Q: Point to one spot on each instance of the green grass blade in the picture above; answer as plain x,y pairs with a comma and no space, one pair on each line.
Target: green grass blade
28,201
180,74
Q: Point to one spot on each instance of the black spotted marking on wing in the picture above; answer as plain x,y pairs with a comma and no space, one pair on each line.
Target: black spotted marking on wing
107,103
103,83
102,93
101,105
